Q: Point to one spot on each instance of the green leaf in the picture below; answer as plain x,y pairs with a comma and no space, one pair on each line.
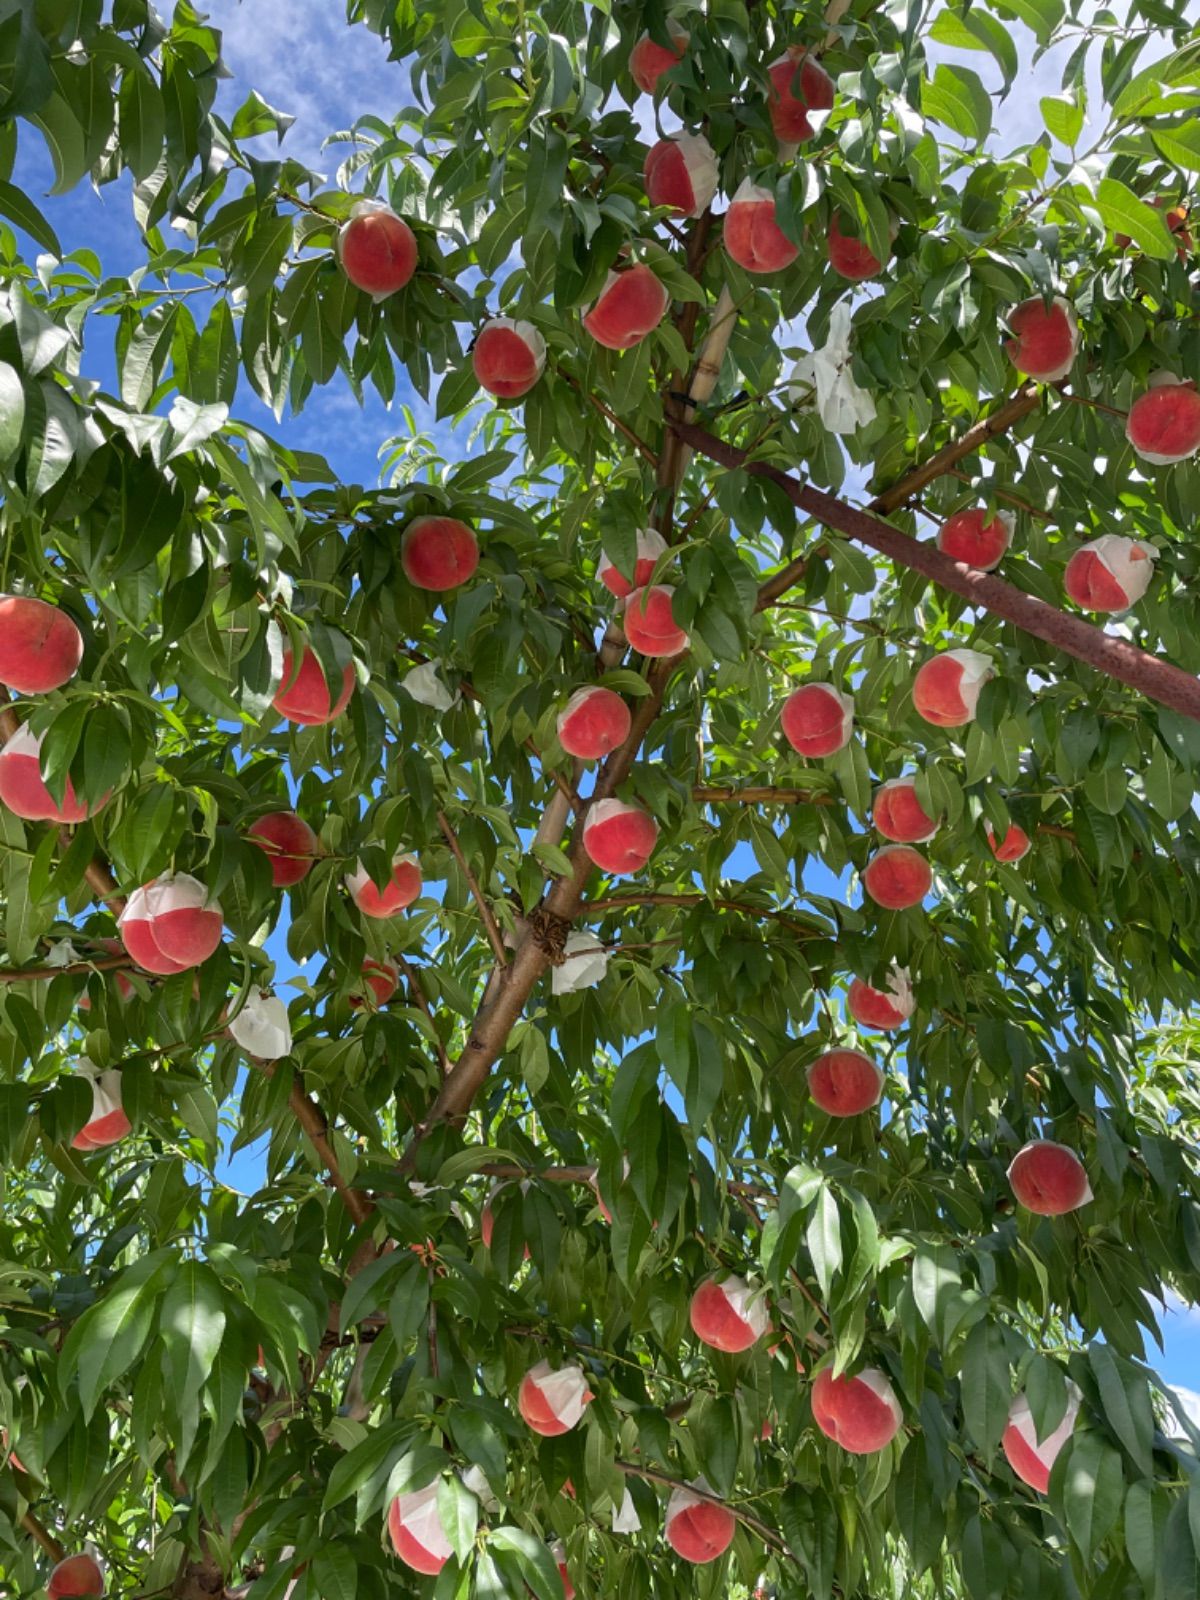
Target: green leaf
458,1511
824,1239
110,1337
1063,116
1125,1399
64,138
1180,145
956,96
191,1325
1092,1485
142,121
12,411
1122,212
974,29
20,210
986,1390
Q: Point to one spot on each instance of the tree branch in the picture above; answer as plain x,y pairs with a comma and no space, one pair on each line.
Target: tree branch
495,939
990,427
313,1121
72,969
616,902
708,794
42,1536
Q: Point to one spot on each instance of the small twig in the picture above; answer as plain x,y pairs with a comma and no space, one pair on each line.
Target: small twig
495,938
418,996
620,902
606,412
42,1536
73,969
652,1475
313,1121
709,794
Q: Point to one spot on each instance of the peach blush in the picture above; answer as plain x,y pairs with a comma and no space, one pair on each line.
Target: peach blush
649,622
631,304
304,697
1049,1179
619,838
1110,574
946,687
648,59
650,546
40,647
752,236
696,1528
75,1577
861,1414
681,174
593,723
381,977
728,1315
851,257
170,925
23,789
817,719
289,844
108,1123
798,84
976,538
1015,844
399,893
899,816
552,1402
509,357
559,1555
438,553
377,249
884,1009
844,1083
1030,1458
1163,424
897,877
1045,340
416,1531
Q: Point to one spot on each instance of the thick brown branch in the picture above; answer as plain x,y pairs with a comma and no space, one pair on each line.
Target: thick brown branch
73,969
42,1536
997,422
495,938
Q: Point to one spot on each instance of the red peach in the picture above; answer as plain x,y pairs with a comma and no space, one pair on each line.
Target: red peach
946,687
560,1561
40,647
1049,1178
975,538
798,84
899,816
377,249
1163,425
75,1577
23,790
1031,1458
649,622
381,978
509,357
650,545
438,553
752,236
288,843
726,1315
631,304
648,59
817,719
882,1008
416,1531
1045,340
305,698
696,1528
171,924
552,1402
400,893
108,1123
897,876
1109,574
850,257
619,838
861,1414
1015,844
593,723
681,173
844,1083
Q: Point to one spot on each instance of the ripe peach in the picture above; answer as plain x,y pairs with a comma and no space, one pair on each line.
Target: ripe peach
1045,338
752,236
799,84
1163,425
305,698
1015,844
631,304
898,814
682,173
850,257
377,249
108,1123
509,357
649,622
844,1083
817,719
552,1402
1110,573
593,723
75,1577
40,647
977,539
696,1528
619,838
648,59
1030,1458
882,1008
946,687
1049,1178
416,1531
650,545
897,876
288,843
861,1414
400,893
381,977
727,1315
438,553
171,924
23,791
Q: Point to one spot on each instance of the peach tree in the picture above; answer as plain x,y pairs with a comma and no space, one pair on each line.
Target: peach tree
687,891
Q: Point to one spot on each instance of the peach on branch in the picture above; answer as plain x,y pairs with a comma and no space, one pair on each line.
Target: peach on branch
648,618
861,1414
416,1531
650,546
727,1314
78,1577
552,1402
1031,1458
509,357
40,647
882,1008
817,719
1045,338
844,1083
697,1528
631,304
23,789
381,978
976,537
108,1123
851,257
377,249
946,687
593,722
1015,844
1163,424
171,924
897,877
401,890
681,173
303,696
619,838
438,553
1110,573
798,84
1049,1178
288,843
648,59
899,816
752,236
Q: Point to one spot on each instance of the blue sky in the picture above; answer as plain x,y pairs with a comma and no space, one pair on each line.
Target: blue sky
303,59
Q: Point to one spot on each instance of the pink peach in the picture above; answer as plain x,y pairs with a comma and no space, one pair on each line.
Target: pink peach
438,553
